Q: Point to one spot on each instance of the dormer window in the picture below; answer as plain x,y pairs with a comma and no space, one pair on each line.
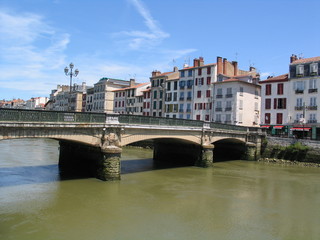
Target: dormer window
300,70
314,69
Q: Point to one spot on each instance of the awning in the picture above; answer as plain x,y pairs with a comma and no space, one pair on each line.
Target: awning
300,129
265,126
278,127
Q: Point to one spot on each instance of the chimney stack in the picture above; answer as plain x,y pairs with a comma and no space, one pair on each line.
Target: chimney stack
196,62
155,73
293,58
219,65
225,66
235,68
201,61
132,82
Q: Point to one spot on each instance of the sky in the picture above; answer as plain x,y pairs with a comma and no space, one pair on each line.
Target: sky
126,39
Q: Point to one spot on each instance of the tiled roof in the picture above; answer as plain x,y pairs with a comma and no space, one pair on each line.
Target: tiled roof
136,86
280,78
306,60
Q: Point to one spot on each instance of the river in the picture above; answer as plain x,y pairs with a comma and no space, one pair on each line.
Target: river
231,201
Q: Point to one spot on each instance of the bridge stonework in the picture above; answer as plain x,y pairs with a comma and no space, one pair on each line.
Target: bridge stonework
94,142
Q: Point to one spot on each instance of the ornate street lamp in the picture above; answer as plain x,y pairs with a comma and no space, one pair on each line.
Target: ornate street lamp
71,74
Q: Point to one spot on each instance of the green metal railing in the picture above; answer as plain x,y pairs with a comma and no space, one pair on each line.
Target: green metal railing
22,115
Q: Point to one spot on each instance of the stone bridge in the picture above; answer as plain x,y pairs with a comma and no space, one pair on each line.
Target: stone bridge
94,141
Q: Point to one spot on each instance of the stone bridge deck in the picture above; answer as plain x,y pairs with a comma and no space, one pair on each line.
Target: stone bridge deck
103,136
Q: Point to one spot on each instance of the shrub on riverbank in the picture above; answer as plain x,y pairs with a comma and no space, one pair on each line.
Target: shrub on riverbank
293,152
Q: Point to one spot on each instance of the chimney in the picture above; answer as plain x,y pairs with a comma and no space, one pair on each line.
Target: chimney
155,73
196,62
132,82
219,65
201,61
175,69
293,58
225,66
235,68
252,69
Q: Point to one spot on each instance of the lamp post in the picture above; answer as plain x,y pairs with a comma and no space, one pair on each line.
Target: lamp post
71,73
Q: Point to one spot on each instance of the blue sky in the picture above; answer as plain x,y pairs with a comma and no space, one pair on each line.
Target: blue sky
131,38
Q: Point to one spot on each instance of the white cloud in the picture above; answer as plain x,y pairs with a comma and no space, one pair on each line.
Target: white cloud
30,48
144,39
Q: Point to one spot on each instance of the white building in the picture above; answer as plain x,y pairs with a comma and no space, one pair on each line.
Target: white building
304,78
130,100
36,103
146,101
103,97
274,103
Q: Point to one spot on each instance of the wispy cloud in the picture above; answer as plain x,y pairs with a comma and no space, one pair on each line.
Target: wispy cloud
30,48
142,39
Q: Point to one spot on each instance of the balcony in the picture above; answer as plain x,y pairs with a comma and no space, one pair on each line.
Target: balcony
181,110
218,109
313,90
299,91
188,110
189,98
312,121
229,95
181,98
227,109
219,96
298,108
312,107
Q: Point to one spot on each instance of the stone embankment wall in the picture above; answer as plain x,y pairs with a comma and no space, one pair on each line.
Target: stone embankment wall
297,150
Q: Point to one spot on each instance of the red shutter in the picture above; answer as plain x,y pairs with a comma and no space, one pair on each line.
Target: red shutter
284,103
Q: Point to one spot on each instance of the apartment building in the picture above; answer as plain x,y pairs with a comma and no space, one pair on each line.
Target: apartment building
130,100
171,98
275,104
304,114
103,97
146,101
158,90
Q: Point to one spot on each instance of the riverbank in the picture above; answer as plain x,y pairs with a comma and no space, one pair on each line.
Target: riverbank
289,151
288,162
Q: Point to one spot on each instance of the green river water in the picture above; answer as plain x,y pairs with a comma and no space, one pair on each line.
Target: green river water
231,201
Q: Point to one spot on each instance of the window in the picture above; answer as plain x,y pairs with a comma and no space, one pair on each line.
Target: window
155,94
314,69
207,117
280,103
279,118
268,103
154,104
241,104
219,93
208,80
208,70
198,117
208,93
280,89
175,96
199,94
228,118
199,71
189,97
181,96
182,84
312,118
299,85
313,101
240,118
168,86
175,85
267,118
299,70
189,73
299,102
268,89
218,118
182,73
312,85
241,91
256,106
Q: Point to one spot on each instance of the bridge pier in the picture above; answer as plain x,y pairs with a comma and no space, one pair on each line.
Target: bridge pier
109,167
77,159
251,151
206,157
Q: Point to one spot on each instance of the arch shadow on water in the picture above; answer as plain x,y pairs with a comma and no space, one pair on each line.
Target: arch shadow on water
15,176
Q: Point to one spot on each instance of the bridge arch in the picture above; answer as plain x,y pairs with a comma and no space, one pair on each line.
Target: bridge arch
229,149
